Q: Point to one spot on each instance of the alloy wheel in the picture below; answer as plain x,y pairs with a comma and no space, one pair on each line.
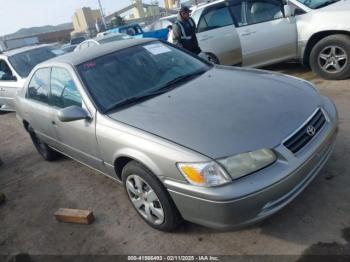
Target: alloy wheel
144,199
332,59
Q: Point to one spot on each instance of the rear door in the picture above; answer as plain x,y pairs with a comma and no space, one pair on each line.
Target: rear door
216,34
266,35
37,109
77,138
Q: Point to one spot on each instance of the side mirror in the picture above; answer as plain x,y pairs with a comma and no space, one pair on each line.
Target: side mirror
72,113
287,11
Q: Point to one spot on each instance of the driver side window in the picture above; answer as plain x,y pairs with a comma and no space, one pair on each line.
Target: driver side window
5,71
63,90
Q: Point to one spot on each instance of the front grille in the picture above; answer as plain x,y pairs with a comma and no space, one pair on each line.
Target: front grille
306,132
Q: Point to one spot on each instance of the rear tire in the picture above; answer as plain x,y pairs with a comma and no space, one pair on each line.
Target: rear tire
213,59
209,58
43,149
330,57
150,198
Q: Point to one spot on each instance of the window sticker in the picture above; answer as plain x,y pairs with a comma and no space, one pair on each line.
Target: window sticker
89,65
157,48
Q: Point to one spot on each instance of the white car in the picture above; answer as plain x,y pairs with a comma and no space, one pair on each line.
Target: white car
15,66
102,39
257,33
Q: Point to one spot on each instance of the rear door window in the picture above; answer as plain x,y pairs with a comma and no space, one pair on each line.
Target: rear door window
38,88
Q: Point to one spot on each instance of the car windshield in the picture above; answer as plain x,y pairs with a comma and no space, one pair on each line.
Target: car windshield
131,74
315,4
24,62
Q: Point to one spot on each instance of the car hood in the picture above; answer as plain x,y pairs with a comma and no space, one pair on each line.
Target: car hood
226,111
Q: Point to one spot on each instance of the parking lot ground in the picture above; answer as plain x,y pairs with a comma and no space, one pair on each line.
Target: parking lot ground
318,220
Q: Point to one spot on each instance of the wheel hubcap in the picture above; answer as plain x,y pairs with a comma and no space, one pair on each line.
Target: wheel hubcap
332,59
144,199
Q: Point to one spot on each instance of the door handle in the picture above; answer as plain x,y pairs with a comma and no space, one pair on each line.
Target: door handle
205,38
2,89
247,33
54,123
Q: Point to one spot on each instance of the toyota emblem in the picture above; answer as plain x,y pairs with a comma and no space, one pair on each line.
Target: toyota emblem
311,130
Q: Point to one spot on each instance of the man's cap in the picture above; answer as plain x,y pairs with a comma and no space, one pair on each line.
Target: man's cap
185,9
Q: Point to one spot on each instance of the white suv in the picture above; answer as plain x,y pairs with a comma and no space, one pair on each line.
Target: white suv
261,32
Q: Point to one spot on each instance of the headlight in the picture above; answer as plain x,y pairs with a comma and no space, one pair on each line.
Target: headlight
244,164
204,174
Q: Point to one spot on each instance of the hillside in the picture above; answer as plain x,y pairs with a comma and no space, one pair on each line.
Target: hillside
23,32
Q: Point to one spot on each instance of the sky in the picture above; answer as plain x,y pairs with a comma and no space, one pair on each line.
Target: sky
17,14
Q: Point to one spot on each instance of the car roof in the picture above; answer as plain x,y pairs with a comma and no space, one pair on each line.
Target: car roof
76,58
22,49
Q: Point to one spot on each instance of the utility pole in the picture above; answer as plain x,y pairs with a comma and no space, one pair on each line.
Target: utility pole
102,14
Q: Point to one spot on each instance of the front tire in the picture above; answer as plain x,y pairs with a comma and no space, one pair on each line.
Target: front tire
149,197
330,57
43,149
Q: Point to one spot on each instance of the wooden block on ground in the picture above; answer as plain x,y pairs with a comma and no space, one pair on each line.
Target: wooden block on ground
2,198
77,216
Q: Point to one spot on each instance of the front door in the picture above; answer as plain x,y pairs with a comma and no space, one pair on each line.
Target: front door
38,111
77,138
266,35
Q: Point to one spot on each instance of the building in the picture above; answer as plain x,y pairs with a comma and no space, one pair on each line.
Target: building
85,20
171,4
139,10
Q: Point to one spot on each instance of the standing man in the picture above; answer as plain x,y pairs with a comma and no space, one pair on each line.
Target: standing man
184,31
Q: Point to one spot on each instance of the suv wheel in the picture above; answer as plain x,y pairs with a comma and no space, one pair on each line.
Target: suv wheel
43,149
149,197
330,57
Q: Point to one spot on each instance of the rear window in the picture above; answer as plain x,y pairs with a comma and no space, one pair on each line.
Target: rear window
24,62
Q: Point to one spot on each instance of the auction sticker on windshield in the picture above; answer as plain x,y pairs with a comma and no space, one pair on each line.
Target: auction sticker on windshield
157,48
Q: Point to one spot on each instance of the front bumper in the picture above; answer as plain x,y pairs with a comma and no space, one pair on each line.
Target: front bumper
257,196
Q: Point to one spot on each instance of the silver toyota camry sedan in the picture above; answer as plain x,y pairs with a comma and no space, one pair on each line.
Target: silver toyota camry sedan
219,146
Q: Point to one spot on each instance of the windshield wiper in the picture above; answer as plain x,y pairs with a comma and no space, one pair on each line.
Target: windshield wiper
129,101
165,88
177,80
326,3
